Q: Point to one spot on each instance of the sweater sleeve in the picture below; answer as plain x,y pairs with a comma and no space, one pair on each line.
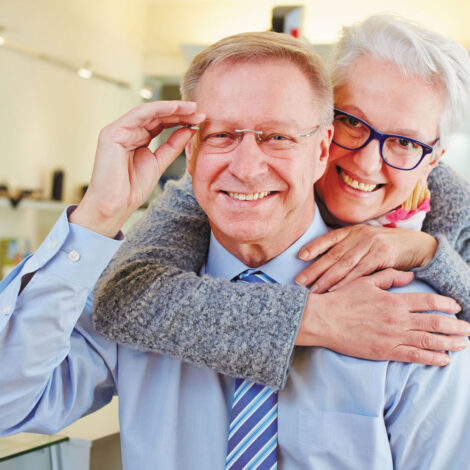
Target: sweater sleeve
449,222
150,297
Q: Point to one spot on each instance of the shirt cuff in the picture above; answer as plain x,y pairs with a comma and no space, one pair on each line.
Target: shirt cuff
70,252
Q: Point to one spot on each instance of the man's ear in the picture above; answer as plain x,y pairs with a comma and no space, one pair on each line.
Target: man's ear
326,137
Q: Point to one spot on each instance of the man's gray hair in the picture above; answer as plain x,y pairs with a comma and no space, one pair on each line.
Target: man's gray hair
416,51
264,46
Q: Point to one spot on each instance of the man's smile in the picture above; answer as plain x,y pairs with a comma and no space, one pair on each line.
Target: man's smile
248,196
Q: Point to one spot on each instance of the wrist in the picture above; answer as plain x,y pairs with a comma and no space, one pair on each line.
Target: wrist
429,246
89,216
313,329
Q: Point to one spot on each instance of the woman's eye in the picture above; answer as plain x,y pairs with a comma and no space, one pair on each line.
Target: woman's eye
349,121
353,122
408,144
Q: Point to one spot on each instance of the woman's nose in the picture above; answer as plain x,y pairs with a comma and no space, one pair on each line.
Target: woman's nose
368,158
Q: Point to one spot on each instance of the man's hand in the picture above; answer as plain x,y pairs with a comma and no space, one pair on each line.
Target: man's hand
351,252
125,170
363,320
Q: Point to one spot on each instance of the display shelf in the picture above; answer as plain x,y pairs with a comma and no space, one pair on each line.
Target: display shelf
32,203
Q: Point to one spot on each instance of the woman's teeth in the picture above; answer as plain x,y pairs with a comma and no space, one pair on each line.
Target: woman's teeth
355,184
249,197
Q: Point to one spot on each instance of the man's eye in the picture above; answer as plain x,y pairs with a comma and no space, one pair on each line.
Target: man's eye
220,139
278,138
220,135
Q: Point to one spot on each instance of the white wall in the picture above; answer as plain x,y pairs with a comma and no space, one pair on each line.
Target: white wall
50,118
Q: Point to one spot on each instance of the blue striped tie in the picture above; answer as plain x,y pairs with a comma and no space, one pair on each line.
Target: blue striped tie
252,439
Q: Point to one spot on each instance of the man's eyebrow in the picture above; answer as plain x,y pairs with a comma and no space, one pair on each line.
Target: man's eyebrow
273,122
412,133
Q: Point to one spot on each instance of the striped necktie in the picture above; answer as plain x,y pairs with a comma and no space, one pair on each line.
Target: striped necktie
252,440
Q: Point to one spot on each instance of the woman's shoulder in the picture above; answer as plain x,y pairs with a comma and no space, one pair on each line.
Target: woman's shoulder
450,200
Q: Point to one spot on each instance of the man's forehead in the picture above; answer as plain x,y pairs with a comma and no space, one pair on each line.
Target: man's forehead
265,90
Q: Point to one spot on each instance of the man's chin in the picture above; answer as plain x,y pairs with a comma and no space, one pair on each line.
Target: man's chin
243,234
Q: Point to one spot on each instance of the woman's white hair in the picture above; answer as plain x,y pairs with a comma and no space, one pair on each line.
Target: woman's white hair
416,51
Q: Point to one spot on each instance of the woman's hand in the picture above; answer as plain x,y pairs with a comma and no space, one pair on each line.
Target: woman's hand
363,319
126,171
351,252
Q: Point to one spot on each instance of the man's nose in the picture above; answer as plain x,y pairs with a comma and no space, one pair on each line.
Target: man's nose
368,158
248,162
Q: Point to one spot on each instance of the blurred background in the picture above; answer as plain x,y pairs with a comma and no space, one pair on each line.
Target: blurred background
68,68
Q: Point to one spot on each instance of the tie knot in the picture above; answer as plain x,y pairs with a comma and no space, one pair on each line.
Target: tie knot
253,276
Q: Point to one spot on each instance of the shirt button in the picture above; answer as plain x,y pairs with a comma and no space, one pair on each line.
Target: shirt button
74,256
6,310
52,244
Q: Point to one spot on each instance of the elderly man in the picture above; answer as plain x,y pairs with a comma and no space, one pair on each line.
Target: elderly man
259,146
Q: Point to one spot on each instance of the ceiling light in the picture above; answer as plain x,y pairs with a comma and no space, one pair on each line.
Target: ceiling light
146,93
84,73
2,41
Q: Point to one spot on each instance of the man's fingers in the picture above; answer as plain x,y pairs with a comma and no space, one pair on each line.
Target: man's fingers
169,150
391,278
404,353
147,112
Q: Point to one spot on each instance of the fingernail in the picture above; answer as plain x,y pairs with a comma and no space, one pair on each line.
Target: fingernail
314,288
303,255
445,361
462,345
333,288
301,280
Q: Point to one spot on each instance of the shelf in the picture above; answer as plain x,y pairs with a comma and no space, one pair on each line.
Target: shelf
33,204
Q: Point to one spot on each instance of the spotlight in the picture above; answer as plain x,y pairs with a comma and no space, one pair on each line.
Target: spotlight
146,93
84,73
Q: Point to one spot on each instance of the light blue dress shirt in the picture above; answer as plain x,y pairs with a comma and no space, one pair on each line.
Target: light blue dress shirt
336,412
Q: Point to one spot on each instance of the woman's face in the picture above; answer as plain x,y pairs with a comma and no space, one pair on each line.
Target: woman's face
378,93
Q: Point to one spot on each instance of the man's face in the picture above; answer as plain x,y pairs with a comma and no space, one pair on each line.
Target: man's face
378,93
252,197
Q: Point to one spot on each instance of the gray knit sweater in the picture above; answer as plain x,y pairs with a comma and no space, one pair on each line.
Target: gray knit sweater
151,297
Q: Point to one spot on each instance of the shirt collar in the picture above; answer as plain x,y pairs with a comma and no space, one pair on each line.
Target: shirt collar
283,268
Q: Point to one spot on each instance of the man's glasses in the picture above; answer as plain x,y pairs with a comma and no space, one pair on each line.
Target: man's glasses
397,151
275,138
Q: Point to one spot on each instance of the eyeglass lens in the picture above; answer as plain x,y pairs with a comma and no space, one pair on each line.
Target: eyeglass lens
352,134
221,137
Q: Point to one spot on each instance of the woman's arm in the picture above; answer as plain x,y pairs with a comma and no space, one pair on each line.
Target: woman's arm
148,298
449,222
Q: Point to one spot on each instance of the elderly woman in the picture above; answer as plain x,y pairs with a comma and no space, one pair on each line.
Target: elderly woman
399,92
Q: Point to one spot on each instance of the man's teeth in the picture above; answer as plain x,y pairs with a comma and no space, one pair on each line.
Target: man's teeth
355,184
249,197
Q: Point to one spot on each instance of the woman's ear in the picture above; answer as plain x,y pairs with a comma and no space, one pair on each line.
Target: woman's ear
435,157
